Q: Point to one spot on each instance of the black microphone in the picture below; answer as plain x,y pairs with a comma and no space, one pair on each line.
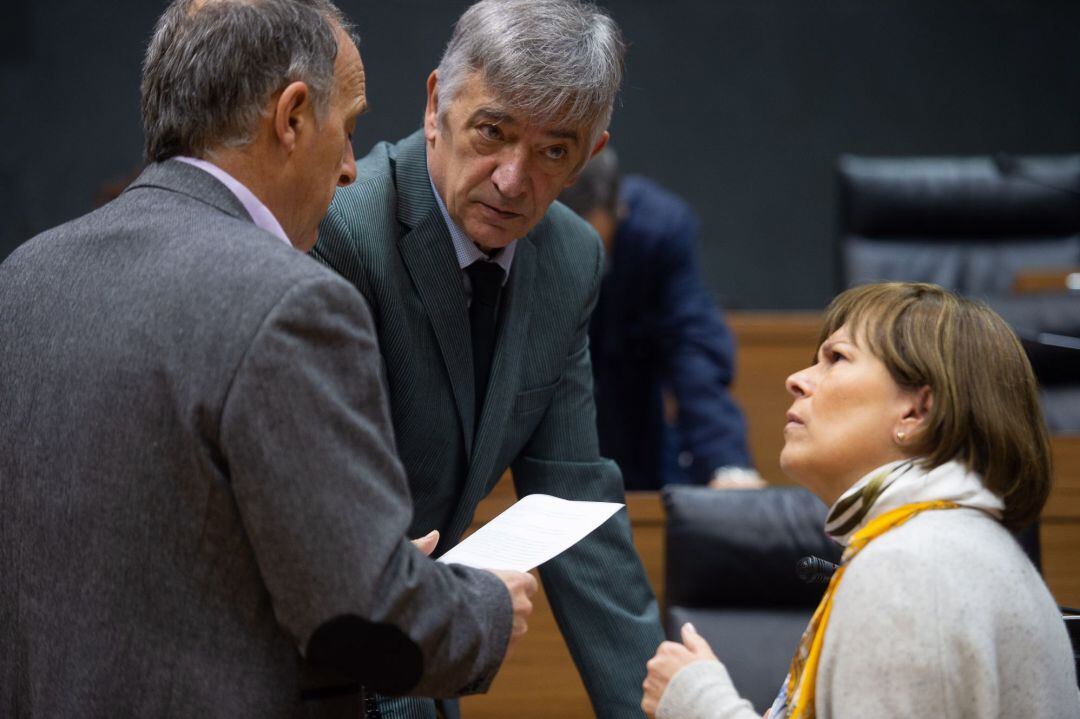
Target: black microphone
815,570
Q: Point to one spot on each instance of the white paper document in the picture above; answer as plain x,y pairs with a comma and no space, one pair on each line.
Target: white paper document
534,530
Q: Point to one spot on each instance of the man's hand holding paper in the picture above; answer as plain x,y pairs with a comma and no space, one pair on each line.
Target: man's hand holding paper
537,528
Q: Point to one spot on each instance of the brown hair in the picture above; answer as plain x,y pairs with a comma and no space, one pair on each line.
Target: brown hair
985,410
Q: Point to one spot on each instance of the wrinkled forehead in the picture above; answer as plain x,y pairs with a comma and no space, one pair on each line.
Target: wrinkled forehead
350,80
555,113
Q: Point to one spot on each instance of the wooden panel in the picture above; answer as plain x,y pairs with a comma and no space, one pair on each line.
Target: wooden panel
771,346
1064,501
1054,279
1061,560
540,679
1060,528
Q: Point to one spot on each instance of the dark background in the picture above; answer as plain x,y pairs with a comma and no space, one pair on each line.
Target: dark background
740,105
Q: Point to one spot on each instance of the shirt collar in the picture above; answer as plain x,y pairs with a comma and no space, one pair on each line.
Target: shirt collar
466,250
260,213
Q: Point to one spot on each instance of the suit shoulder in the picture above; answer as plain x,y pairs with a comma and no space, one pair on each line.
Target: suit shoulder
640,190
653,210
176,258
373,192
569,256
962,552
232,256
566,235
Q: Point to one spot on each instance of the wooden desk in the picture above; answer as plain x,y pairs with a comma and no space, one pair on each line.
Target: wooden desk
539,679
1060,527
1053,280
771,346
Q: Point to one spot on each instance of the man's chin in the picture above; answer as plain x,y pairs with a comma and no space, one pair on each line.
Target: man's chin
490,238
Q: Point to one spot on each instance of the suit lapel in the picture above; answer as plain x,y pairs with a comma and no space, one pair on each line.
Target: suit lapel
503,384
437,278
428,254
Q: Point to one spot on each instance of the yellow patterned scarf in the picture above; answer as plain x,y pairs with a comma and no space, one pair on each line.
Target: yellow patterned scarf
797,701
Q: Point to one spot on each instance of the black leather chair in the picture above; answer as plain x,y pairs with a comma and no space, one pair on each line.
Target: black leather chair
1049,329
970,224
730,570
966,223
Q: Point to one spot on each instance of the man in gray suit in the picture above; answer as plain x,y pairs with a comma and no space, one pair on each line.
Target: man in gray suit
482,288
201,510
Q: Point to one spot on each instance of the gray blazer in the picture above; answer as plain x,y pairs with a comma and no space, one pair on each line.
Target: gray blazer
201,510
385,234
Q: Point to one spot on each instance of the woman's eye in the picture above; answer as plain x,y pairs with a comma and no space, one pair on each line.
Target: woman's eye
835,356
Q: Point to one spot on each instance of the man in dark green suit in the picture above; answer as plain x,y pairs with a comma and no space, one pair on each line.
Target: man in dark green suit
482,289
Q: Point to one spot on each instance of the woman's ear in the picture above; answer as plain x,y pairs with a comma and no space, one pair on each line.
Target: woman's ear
916,414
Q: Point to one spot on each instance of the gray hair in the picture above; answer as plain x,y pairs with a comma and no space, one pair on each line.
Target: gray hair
597,187
213,65
550,59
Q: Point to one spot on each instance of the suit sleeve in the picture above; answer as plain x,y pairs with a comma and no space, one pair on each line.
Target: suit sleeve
698,354
598,591
307,439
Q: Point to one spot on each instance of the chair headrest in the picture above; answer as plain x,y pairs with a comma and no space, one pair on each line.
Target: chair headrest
951,197
739,547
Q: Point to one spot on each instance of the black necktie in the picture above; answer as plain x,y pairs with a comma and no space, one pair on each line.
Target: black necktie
486,280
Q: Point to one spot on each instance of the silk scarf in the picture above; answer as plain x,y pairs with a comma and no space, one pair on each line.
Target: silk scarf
882,500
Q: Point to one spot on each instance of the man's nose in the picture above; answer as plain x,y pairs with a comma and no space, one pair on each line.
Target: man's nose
348,167
510,177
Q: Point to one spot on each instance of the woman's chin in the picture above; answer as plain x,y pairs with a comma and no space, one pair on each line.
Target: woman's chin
789,463
798,466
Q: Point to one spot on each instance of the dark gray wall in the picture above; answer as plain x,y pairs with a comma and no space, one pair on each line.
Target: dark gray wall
740,105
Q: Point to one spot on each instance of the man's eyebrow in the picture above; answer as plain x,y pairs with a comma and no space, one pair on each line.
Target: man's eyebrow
564,133
493,115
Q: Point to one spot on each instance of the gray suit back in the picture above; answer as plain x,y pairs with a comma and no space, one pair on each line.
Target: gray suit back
197,474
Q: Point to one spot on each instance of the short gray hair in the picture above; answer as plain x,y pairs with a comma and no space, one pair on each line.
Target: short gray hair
212,66
550,59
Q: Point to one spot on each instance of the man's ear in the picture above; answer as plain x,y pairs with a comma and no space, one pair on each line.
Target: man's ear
600,144
917,412
292,114
431,112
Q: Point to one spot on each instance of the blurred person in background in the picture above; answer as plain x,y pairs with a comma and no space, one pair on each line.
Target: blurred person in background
663,358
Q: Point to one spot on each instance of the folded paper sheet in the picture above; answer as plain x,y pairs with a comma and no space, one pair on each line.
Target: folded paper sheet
534,530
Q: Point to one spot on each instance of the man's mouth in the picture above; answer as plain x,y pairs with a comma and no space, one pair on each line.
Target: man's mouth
497,212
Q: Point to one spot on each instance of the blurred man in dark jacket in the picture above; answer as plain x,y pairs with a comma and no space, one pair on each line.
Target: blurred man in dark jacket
663,358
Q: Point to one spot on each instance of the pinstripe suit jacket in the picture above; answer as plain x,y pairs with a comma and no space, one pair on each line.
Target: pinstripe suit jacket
386,235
